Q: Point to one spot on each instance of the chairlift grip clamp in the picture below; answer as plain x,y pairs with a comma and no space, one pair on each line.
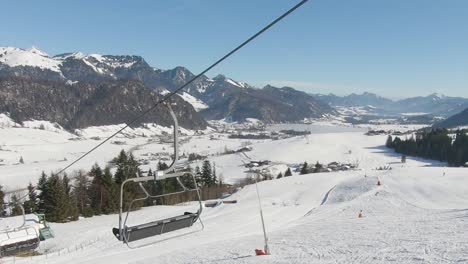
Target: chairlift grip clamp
158,174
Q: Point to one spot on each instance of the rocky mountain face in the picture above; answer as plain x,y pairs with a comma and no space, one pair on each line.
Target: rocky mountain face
85,104
270,104
219,97
457,120
238,100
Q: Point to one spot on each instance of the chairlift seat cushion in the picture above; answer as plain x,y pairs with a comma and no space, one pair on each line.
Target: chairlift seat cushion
159,227
13,248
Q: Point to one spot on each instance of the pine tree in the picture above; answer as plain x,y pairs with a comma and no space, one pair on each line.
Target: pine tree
42,188
206,174
162,166
111,204
97,191
305,168
100,191
55,201
73,213
318,167
30,206
21,160
288,172
127,167
16,209
187,181
81,192
280,175
72,207
66,185
121,162
389,143
436,144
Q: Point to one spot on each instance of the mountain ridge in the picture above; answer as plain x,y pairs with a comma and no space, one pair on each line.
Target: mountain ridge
457,120
434,104
206,92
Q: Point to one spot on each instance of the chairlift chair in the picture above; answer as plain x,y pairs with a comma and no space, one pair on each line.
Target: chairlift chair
128,234
21,239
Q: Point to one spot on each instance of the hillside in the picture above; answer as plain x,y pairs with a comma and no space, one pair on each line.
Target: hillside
269,104
85,104
309,219
457,120
220,97
432,105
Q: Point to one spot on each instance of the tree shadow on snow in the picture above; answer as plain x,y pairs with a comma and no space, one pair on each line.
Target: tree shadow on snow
391,153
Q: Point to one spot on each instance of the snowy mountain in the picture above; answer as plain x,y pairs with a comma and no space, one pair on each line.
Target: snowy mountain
15,57
434,104
228,98
206,94
457,120
364,99
216,98
85,104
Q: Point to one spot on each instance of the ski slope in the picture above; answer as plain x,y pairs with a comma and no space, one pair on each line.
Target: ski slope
418,215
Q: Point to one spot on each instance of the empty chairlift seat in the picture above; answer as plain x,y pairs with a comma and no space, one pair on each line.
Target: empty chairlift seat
17,241
159,227
127,234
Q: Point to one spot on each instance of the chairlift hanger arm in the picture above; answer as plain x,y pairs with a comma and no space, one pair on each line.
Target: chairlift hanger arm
176,223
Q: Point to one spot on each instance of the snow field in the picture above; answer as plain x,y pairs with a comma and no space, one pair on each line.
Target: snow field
310,218
418,215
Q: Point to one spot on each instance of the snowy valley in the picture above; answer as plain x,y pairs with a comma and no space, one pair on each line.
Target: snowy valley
416,215
330,189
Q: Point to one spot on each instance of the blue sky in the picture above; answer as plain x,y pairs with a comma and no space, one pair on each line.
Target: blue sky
396,48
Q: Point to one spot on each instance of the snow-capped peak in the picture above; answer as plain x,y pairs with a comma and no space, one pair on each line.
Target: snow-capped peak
37,51
74,55
221,77
33,57
437,96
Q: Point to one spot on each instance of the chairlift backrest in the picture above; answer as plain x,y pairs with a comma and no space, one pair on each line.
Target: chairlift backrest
18,239
128,234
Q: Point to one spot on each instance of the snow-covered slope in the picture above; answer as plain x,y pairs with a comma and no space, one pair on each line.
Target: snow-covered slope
417,215
309,219
13,57
34,57
196,103
44,146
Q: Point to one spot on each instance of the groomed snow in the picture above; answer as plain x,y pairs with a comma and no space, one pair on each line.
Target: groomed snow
309,218
418,215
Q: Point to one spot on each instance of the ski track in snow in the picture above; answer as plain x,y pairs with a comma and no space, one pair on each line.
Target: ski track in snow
416,216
